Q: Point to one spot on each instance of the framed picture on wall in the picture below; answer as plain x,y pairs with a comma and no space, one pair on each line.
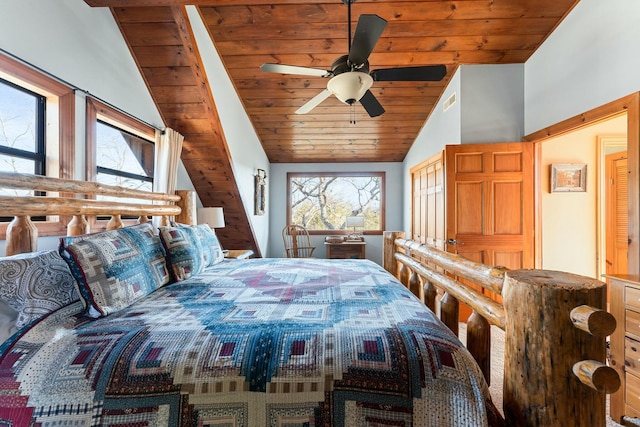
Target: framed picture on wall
568,177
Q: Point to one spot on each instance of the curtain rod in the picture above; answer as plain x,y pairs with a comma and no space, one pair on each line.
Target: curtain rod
76,88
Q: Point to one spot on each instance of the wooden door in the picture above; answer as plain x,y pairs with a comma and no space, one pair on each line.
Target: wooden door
490,203
617,220
428,218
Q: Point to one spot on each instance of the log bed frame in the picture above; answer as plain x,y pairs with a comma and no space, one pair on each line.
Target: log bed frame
555,323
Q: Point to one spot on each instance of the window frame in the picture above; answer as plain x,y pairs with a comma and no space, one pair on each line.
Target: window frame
59,129
97,111
39,156
381,175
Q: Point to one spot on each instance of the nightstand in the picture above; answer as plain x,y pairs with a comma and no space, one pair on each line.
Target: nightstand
238,253
346,249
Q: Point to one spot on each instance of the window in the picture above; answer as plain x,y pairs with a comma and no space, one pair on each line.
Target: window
22,129
122,158
120,149
37,134
322,201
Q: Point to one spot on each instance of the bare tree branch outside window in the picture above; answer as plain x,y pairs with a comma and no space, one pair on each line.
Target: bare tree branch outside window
322,201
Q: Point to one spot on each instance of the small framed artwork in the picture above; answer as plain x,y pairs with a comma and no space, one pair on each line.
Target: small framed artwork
568,177
260,199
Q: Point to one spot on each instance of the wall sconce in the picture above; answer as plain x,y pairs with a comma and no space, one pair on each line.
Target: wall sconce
260,200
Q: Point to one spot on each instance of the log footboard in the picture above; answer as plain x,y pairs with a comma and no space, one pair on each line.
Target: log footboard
555,326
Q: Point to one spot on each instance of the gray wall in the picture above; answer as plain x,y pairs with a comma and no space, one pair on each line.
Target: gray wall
592,58
492,103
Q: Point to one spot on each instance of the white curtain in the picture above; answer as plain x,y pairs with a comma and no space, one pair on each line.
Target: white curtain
167,155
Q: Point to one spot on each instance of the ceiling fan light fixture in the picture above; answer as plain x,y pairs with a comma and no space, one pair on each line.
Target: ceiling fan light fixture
349,87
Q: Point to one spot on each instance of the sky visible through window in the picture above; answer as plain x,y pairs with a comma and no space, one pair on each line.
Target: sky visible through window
17,120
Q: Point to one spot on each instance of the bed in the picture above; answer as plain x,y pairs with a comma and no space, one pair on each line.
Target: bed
150,325
258,342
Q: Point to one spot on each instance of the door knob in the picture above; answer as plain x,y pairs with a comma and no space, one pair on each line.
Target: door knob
454,242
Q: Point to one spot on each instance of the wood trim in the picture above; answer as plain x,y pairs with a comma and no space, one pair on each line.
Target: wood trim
26,74
629,104
120,119
537,206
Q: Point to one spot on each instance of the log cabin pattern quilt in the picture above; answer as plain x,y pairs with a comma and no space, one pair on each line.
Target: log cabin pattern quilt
259,342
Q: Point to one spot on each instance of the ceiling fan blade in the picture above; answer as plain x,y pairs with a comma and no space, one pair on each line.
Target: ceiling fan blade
313,102
368,31
371,104
294,69
428,73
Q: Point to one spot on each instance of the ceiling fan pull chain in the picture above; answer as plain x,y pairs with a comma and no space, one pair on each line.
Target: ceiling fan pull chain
352,112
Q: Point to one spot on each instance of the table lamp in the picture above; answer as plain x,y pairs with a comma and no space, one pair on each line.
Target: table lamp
212,216
354,221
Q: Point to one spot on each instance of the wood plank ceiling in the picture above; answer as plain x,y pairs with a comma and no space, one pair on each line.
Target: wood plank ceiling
312,33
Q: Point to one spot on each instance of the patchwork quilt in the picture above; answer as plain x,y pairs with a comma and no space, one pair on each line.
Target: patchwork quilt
260,342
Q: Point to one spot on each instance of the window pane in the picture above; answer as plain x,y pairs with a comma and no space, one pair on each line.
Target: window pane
121,151
122,181
18,112
323,202
16,164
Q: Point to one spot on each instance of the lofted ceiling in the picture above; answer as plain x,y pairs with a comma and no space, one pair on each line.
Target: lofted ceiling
312,33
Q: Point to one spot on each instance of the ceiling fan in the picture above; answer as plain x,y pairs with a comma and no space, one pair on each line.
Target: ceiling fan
350,78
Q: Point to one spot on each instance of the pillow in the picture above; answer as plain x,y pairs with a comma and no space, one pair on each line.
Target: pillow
115,268
184,252
212,250
34,284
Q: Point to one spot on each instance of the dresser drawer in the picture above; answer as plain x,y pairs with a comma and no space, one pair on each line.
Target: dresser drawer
632,322
632,391
632,356
632,297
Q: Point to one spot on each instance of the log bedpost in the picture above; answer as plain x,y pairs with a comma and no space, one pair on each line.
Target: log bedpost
450,312
77,226
188,214
479,342
115,222
22,236
539,387
389,262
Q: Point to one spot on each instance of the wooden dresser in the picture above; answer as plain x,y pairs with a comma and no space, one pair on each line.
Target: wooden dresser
625,344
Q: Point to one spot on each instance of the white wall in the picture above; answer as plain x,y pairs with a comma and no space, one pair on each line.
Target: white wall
570,220
589,60
278,202
247,154
80,45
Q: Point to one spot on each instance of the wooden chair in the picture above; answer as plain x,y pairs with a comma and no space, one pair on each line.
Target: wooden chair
297,243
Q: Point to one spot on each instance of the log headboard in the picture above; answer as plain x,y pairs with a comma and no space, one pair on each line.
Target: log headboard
71,203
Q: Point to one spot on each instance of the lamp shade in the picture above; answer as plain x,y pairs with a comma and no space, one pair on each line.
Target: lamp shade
212,216
354,221
349,87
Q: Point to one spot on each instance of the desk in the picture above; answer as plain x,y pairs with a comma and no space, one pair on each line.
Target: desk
345,250
238,253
